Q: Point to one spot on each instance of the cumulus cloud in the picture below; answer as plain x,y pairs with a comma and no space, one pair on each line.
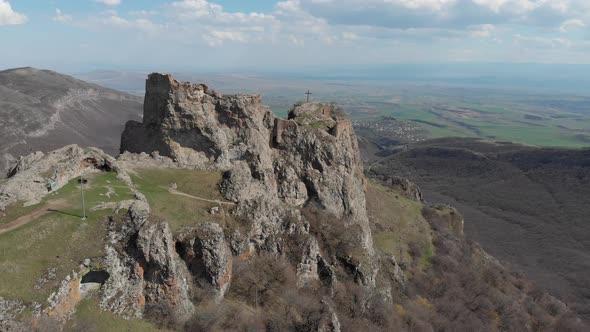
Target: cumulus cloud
483,30
216,38
217,26
61,17
381,30
8,16
440,13
543,42
109,2
571,24
143,24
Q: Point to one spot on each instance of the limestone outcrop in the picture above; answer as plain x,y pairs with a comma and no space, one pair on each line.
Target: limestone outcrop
273,167
36,175
145,272
207,256
407,188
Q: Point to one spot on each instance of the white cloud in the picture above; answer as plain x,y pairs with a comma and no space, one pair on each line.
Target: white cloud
120,22
196,8
483,30
508,5
296,41
109,2
375,30
440,13
350,36
9,16
571,23
543,42
143,13
216,38
61,17
215,26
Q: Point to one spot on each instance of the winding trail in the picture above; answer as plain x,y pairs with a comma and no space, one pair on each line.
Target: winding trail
179,193
31,216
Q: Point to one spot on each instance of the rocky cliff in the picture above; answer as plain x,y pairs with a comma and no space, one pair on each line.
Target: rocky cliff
225,217
273,167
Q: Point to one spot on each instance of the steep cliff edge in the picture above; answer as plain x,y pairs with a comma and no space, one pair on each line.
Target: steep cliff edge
222,216
273,167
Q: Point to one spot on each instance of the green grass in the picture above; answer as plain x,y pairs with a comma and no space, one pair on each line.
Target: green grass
180,211
89,317
57,239
502,119
16,210
397,222
71,195
542,136
427,255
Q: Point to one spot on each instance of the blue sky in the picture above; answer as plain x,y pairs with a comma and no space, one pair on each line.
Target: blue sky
80,35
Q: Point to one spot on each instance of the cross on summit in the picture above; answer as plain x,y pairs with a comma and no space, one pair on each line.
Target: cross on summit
308,94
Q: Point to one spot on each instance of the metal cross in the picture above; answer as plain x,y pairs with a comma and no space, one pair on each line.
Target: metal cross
308,94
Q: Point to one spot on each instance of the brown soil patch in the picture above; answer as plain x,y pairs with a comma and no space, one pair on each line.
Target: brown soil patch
32,216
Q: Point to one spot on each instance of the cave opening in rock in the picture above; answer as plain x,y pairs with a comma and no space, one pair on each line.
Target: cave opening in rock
95,277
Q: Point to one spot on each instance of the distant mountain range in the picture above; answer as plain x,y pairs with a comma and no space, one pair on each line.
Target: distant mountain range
43,110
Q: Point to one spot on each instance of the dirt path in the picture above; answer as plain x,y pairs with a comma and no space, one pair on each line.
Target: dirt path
176,192
377,162
30,217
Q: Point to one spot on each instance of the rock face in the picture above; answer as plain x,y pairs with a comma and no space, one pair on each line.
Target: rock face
30,179
409,189
273,167
146,273
208,256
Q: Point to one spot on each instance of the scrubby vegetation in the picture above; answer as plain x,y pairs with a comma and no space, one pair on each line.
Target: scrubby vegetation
450,284
527,206
431,279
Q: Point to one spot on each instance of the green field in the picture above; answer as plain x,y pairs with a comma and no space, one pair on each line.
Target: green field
89,317
519,116
180,211
58,239
38,255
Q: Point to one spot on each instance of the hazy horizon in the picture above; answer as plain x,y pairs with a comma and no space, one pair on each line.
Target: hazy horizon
234,35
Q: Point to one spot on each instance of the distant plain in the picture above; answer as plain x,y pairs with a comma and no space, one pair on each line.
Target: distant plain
523,115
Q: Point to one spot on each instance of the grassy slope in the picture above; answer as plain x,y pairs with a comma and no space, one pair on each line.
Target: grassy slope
61,240
58,239
398,224
180,211
89,317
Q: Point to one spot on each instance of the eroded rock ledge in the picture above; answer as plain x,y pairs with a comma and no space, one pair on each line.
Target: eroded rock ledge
273,167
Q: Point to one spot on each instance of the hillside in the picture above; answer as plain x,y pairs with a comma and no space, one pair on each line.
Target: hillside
41,110
218,216
527,206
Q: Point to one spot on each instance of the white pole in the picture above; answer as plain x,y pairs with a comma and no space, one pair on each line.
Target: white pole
83,202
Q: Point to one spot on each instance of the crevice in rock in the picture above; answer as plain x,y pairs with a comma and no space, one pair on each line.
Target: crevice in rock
312,193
